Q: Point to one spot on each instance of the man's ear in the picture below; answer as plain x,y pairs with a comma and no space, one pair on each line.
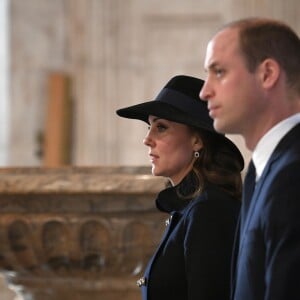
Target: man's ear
269,72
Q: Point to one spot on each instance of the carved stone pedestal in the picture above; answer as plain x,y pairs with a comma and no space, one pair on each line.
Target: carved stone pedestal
77,233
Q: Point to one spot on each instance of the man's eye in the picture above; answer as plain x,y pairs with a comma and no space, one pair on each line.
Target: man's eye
219,72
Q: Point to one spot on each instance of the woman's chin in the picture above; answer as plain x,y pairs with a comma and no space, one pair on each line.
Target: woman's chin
156,172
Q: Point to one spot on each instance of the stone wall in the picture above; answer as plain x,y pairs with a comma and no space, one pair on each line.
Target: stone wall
117,53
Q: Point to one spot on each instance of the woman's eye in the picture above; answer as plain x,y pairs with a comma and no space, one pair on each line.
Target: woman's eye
161,127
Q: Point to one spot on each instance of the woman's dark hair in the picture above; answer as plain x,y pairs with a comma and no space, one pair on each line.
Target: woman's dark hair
217,164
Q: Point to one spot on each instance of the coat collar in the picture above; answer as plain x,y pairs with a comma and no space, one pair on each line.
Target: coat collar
169,200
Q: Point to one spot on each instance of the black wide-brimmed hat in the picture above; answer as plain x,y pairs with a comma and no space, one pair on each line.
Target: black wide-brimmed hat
179,101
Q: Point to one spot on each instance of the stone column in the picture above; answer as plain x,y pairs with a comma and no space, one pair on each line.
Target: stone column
77,233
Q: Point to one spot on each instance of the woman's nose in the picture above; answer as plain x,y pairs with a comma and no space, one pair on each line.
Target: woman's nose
147,140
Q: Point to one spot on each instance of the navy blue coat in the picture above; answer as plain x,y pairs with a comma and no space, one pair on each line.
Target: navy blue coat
192,261
268,263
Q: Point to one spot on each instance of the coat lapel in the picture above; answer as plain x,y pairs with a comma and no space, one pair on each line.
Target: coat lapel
173,220
235,253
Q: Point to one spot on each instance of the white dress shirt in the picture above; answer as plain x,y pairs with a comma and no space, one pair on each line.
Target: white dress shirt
270,140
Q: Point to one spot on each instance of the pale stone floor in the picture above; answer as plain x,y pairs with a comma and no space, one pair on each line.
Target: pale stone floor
5,292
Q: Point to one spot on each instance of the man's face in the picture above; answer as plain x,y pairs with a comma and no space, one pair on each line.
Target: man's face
232,92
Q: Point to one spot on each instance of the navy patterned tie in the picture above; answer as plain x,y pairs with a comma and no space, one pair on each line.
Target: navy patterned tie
248,189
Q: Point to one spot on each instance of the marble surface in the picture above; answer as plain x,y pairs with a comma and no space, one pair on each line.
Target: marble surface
77,179
5,292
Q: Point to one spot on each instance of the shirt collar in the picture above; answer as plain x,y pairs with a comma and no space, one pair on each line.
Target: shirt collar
269,141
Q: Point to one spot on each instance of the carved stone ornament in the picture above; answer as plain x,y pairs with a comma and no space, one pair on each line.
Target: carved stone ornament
77,233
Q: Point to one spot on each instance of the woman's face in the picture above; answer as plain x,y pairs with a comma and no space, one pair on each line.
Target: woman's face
171,148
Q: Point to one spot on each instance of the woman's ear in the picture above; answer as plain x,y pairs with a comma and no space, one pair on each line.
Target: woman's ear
197,143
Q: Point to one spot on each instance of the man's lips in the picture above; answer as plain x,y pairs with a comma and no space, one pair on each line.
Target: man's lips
213,110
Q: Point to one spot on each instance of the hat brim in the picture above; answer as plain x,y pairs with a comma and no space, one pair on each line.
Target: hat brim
166,111
162,110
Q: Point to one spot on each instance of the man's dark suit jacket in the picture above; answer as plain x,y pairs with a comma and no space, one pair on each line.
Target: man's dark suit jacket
268,263
192,261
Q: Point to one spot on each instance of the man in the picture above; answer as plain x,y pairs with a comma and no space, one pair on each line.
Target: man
253,89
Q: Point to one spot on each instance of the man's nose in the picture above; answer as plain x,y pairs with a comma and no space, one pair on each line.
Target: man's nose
204,92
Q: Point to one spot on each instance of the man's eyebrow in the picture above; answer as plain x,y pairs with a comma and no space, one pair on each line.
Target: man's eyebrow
211,66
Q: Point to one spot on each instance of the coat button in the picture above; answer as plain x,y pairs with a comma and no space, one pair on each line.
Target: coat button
142,281
168,221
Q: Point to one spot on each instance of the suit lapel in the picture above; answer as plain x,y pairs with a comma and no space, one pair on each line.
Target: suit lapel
252,204
281,148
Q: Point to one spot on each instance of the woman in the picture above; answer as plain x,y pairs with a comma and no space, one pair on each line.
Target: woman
193,259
